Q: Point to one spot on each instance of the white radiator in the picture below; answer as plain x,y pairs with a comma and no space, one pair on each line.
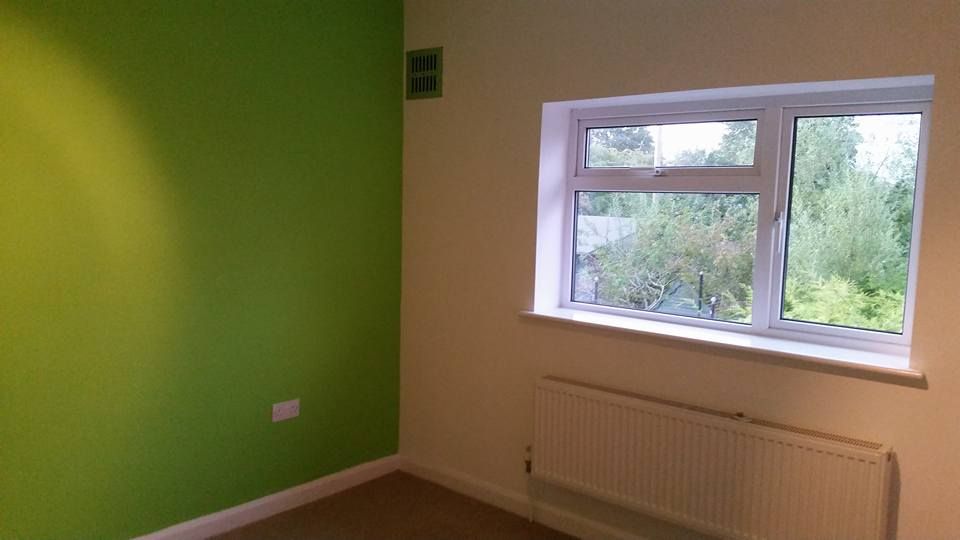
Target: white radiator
709,470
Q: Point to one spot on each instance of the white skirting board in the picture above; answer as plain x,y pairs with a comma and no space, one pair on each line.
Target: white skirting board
264,507
519,503
511,501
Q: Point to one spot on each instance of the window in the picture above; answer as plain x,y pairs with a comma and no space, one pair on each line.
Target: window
689,254
850,211
790,214
671,145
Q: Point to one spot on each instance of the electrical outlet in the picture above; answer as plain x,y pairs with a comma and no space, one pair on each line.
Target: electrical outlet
286,410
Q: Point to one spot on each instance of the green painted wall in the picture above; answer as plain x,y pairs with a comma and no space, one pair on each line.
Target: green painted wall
199,216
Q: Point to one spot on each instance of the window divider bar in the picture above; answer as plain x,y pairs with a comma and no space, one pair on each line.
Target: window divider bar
768,151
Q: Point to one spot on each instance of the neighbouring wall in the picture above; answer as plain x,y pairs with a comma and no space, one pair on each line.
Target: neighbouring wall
469,362
199,216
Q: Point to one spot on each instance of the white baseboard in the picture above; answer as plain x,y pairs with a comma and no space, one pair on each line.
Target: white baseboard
264,507
519,503
509,500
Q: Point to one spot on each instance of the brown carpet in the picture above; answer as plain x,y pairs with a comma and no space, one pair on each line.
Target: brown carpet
395,506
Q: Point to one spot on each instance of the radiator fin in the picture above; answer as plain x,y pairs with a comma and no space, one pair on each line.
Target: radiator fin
746,480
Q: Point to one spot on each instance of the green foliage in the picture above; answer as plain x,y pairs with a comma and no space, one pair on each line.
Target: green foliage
629,146
623,138
676,237
847,233
902,172
604,156
841,302
825,152
737,146
850,228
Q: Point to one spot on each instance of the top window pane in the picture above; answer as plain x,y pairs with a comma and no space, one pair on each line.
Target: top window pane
701,144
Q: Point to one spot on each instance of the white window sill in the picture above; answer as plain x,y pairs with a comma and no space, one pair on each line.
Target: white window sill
837,360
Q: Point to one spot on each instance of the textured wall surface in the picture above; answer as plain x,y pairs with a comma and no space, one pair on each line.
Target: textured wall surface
468,362
199,216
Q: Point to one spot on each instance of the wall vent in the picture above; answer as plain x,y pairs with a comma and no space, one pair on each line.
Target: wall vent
425,73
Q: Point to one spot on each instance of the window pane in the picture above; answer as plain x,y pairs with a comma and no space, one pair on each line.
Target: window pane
631,146
850,220
687,254
709,144
702,144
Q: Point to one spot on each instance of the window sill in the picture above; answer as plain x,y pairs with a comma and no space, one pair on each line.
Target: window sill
836,360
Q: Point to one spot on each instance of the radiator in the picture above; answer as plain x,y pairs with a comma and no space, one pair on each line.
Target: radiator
708,470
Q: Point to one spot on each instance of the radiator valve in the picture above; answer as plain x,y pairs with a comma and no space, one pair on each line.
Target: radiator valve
528,459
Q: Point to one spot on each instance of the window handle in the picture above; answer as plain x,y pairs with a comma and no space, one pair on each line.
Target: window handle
781,233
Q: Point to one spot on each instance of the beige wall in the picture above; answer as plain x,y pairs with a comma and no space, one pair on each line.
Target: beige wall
468,361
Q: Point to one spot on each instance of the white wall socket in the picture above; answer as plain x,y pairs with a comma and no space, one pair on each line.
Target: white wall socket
286,410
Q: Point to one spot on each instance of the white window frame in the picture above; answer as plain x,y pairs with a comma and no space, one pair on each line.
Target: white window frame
769,178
